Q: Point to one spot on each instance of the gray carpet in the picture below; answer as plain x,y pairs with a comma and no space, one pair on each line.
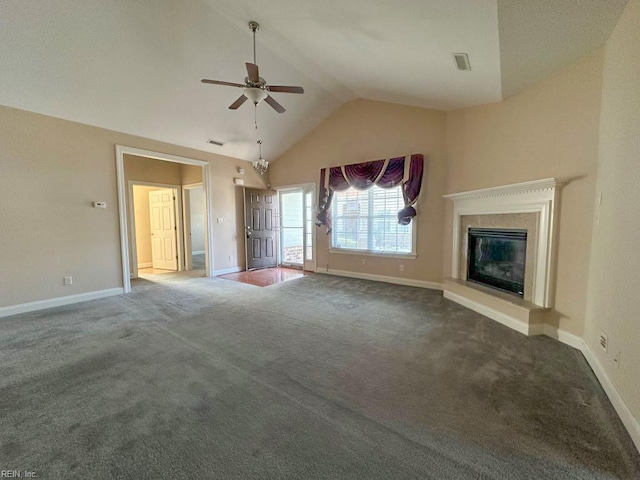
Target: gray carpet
316,378
198,261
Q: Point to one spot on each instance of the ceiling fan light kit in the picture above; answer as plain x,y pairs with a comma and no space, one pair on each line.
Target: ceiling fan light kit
255,94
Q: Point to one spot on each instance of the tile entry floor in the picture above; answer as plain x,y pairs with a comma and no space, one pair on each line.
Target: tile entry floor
266,276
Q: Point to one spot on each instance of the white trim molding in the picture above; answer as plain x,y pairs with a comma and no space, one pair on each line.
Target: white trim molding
58,301
227,270
539,196
381,278
564,337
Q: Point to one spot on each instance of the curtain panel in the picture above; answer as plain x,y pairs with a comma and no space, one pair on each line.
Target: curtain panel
405,171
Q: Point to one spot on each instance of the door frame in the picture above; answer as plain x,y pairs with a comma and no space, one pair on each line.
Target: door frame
186,225
123,206
304,186
177,211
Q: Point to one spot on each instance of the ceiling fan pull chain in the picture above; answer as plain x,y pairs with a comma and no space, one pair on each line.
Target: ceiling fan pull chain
254,45
255,115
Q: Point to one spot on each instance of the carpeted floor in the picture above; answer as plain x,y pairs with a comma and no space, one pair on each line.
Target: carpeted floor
316,378
198,261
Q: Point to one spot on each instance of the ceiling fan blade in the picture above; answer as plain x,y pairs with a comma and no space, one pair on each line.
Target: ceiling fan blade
285,89
276,106
219,82
252,72
238,102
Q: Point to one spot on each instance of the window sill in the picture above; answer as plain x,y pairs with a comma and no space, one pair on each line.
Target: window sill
371,253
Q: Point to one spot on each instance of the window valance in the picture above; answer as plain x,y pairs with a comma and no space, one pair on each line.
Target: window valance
405,171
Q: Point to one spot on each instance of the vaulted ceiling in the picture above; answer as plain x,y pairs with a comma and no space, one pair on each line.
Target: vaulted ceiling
135,66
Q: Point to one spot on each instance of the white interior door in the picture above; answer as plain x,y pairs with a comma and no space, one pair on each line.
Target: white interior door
164,249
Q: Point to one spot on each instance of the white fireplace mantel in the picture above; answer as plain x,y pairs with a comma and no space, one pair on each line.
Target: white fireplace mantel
539,196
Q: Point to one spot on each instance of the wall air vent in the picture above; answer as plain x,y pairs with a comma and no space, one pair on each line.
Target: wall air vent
462,61
214,142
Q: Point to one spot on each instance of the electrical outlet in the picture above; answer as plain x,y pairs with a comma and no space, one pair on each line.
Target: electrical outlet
604,341
401,267
220,219
364,261
231,258
68,280
616,358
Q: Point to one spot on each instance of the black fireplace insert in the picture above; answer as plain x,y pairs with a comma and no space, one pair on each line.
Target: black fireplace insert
497,257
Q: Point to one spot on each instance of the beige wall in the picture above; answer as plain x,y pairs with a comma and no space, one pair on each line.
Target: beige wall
367,130
190,174
549,130
143,223
614,305
52,170
145,169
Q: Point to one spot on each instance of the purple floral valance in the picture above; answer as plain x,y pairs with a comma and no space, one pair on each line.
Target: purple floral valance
406,171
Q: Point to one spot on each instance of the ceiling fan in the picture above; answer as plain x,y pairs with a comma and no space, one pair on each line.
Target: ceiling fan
255,87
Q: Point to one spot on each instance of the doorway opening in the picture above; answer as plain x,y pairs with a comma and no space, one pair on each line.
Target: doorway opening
190,172
296,232
155,220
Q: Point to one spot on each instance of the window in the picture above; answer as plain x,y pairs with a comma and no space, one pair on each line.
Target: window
367,220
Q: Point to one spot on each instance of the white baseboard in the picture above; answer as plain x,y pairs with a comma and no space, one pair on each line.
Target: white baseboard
564,337
145,265
628,420
499,317
58,301
227,270
381,278
197,252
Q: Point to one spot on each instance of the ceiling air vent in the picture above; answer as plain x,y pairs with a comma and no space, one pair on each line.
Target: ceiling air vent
462,61
214,142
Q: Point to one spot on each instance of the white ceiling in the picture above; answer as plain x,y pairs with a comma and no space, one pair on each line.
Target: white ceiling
135,66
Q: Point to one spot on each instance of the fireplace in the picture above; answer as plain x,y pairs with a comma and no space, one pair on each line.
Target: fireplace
497,257
503,237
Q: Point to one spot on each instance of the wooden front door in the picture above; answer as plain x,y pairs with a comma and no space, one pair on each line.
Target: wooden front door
260,231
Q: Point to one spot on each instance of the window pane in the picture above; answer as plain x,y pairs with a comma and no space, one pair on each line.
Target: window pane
292,227
292,209
367,220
